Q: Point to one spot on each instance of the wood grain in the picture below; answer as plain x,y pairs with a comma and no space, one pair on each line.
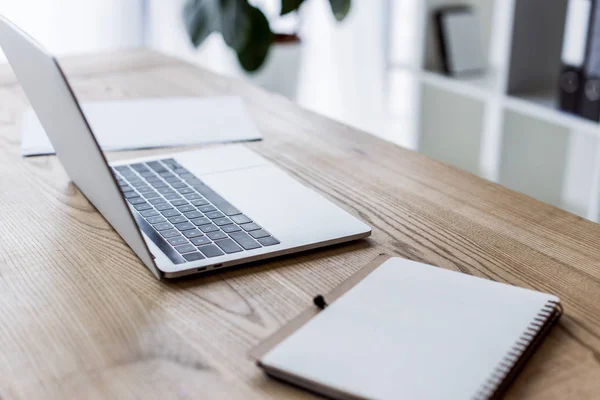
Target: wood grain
81,317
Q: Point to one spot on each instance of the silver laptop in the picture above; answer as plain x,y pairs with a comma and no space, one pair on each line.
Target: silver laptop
183,213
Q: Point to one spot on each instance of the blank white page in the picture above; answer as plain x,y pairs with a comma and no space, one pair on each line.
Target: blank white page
155,122
411,331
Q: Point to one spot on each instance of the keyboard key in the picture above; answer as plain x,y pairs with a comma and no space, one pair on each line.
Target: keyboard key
171,163
180,171
159,184
268,241
230,228
217,200
152,179
194,182
178,240
184,226
240,219
215,214
207,208
208,228
245,240
171,178
192,233
165,190
138,166
138,183
149,213
165,173
158,200
187,176
130,195
201,221
122,168
128,173
147,174
192,196
210,250
199,241
170,213
163,226
151,195
193,214
199,202
193,256
145,189
178,219
126,188
250,227
170,233
136,200
186,208
179,185
186,248
179,202
155,165
172,196
222,221
163,207
259,234
143,206
156,220
228,246
185,190
217,235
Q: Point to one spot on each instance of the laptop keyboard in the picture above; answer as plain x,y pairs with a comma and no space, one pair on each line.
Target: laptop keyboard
184,217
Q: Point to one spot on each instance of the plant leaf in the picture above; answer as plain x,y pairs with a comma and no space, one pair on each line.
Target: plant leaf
287,6
235,23
199,19
340,8
260,38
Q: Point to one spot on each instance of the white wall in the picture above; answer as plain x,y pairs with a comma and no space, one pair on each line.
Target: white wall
79,26
334,78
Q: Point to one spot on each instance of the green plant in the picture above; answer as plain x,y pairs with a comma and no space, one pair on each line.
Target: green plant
243,26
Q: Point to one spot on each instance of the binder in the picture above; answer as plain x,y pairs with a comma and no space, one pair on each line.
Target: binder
589,102
573,54
413,346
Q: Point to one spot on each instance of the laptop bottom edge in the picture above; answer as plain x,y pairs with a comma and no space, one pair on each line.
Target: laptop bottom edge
259,257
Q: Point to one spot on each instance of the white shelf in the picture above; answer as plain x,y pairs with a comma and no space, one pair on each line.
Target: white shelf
478,86
487,87
504,124
543,107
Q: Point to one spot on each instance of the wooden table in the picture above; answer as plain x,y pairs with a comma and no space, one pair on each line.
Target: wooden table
81,317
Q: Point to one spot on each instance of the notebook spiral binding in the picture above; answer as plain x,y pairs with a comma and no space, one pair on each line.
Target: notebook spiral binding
516,356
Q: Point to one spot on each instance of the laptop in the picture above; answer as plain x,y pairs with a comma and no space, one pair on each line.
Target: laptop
183,213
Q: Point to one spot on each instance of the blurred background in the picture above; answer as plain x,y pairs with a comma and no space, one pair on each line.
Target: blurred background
476,86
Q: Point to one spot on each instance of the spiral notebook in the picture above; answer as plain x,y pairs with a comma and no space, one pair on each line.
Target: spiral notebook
402,329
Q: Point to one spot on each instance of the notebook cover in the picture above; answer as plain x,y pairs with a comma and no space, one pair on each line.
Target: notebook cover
493,389
266,345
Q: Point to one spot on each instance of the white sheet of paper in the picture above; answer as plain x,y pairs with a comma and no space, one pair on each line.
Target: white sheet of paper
410,331
157,122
